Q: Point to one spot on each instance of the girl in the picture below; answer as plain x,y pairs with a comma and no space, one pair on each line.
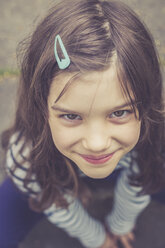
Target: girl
90,102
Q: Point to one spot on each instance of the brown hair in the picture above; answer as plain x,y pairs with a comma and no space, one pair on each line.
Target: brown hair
92,32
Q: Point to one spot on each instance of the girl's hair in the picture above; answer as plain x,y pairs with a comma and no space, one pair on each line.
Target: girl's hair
92,32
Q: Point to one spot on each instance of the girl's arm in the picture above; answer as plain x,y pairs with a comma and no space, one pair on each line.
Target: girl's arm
127,206
77,223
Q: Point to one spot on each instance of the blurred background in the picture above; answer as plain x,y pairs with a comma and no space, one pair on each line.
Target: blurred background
18,19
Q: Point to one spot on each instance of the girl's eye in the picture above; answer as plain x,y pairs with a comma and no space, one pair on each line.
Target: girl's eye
121,113
70,117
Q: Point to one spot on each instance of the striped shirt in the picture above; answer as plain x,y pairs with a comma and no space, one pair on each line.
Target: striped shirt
75,220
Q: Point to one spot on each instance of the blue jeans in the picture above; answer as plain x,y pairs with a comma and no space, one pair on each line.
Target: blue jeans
16,218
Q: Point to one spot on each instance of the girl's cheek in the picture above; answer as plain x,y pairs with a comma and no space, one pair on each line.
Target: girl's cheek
62,138
127,134
130,135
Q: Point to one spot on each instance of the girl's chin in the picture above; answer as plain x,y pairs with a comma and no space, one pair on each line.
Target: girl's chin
98,176
98,173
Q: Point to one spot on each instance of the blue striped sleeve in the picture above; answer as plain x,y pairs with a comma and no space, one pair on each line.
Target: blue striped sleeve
127,205
77,223
17,166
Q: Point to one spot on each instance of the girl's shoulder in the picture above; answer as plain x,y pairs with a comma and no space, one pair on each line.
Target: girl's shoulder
18,152
17,163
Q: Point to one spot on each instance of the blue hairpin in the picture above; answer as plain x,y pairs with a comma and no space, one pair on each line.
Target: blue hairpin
63,63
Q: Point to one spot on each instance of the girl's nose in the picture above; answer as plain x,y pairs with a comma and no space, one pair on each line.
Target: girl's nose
97,140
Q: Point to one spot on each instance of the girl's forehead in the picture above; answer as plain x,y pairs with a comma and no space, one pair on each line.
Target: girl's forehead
71,78
91,84
68,81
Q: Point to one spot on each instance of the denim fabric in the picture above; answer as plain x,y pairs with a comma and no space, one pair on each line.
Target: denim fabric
16,218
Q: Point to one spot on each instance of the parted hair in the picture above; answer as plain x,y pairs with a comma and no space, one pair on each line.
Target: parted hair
92,32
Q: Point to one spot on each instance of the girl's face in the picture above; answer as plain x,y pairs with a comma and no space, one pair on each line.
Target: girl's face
92,124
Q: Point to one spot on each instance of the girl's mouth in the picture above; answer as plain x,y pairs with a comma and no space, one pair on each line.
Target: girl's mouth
97,159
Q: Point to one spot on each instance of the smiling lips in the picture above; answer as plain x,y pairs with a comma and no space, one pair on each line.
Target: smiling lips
97,160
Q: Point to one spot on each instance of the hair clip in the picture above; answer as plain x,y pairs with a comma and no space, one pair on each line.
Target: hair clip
63,63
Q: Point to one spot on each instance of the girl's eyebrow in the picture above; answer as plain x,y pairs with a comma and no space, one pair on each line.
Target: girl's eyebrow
61,109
